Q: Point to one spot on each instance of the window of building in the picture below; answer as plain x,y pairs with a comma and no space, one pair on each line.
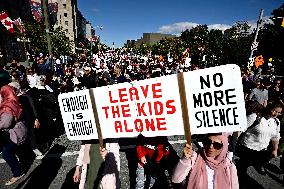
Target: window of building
64,6
65,14
66,30
66,23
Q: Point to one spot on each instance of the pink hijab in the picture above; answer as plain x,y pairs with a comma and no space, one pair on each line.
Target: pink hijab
10,102
218,164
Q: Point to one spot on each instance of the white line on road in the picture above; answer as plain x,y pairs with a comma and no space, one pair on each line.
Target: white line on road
65,154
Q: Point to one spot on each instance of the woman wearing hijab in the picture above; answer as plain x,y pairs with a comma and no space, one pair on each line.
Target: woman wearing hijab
13,131
209,168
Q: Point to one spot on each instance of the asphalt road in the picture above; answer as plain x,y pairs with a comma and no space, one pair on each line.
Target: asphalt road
56,169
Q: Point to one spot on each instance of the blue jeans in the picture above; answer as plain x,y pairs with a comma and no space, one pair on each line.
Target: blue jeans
9,155
141,178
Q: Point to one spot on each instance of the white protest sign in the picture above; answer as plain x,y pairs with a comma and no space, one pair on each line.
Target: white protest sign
215,100
151,107
77,114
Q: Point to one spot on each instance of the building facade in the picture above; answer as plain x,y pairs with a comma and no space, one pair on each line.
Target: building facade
90,31
68,17
152,38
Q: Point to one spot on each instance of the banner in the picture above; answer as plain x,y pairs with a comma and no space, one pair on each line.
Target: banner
215,100
52,7
19,24
77,113
151,107
36,10
7,22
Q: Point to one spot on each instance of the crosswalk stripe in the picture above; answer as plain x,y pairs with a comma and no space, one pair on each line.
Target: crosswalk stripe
65,154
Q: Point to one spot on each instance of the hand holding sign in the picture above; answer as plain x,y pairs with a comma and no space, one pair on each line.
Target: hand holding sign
187,151
143,160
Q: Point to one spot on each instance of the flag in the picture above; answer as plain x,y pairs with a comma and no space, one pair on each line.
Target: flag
81,44
19,24
258,61
186,52
52,8
7,22
36,10
92,39
282,22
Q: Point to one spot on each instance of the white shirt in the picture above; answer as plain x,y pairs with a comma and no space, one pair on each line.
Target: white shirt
33,80
258,137
210,175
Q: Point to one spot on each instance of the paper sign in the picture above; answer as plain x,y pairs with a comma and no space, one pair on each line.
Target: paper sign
151,107
215,100
77,114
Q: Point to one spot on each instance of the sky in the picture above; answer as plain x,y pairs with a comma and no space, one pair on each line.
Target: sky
129,19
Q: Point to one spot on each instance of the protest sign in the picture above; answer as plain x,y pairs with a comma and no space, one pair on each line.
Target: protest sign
77,114
151,107
215,99
212,101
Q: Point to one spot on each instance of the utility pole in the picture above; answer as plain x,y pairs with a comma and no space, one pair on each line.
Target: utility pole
256,33
47,31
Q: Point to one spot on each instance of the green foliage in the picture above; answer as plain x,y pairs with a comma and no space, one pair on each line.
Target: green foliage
60,43
271,40
35,32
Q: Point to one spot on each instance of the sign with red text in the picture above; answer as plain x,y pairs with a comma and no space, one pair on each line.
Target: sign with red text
77,114
215,100
151,107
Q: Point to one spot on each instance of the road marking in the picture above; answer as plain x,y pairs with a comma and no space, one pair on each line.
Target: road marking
65,154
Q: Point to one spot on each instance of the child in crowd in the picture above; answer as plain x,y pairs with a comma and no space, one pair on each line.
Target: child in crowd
150,151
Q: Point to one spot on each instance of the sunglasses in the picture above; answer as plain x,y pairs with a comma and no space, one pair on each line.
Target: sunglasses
207,143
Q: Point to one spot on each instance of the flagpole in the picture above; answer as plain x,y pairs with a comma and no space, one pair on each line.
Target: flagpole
92,49
256,33
48,37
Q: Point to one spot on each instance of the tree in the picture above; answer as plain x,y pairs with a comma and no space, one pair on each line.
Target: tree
38,42
35,33
215,47
271,40
237,42
61,45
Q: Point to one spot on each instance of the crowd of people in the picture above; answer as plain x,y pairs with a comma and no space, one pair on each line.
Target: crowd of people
30,119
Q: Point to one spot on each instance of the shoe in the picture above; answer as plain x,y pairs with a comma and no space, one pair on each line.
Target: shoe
261,171
13,180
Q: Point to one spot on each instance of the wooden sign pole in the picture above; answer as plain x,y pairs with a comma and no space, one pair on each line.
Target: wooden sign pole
184,108
96,117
